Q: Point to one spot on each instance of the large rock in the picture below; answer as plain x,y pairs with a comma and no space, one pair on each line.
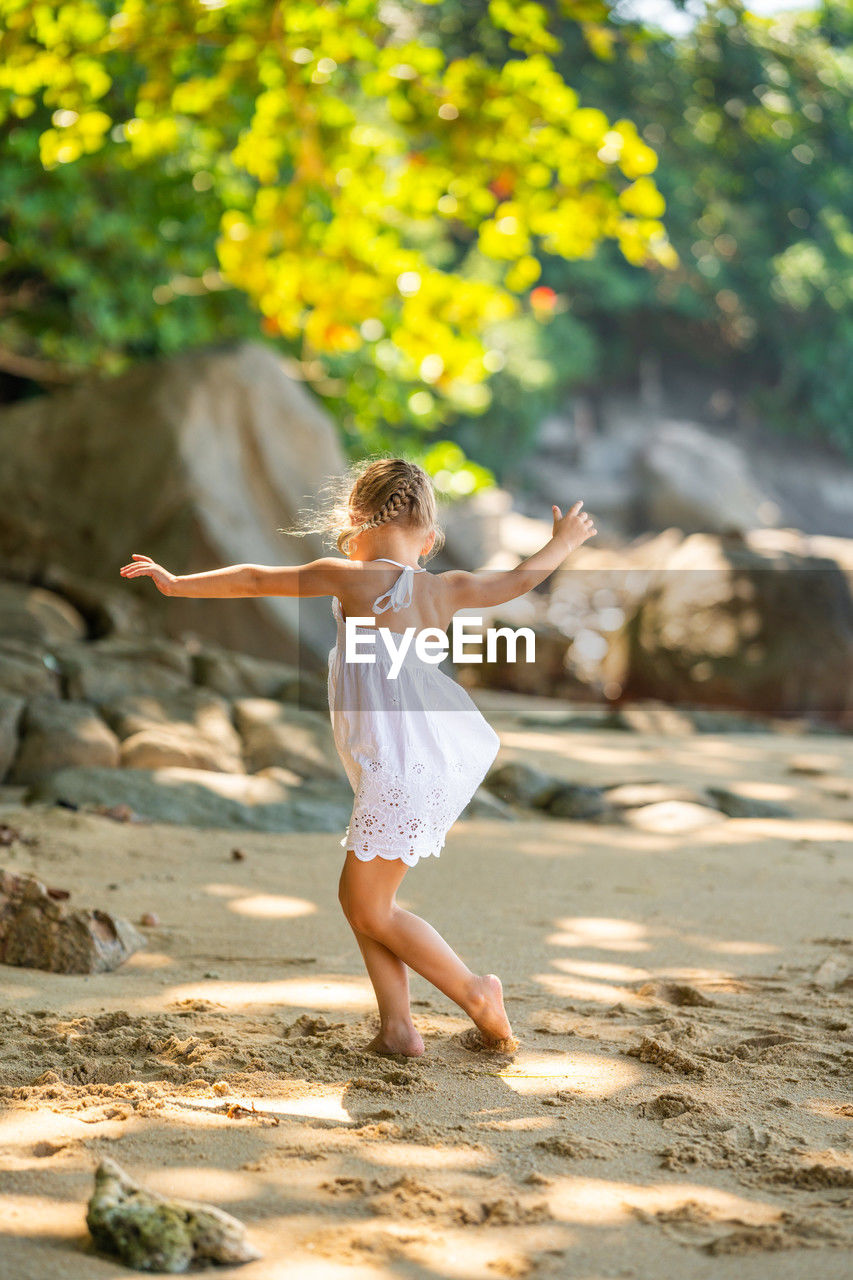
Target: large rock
108,609
11,707
200,798
28,669
763,625
276,734
191,727
195,461
239,675
108,669
35,616
56,734
37,931
699,482
150,1232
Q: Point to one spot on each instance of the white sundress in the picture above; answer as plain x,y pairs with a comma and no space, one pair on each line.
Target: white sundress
414,748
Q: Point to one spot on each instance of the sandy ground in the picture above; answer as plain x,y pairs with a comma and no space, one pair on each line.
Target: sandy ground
680,1104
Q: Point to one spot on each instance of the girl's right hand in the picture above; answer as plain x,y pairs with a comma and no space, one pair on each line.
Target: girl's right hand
575,526
144,566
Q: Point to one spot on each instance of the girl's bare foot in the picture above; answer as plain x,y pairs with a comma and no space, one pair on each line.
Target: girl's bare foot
486,1010
398,1038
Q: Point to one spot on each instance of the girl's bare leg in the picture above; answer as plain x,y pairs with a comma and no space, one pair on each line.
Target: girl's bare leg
390,980
368,894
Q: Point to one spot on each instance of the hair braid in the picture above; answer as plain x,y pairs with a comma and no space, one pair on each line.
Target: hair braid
392,506
375,493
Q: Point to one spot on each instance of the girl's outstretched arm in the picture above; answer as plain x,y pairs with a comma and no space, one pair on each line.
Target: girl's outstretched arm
318,578
480,590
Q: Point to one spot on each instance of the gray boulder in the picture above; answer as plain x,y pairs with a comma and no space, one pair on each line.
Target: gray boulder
56,735
758,625
735,805
35,616
216,450
699,483
239,675
581,803
11,708
28,670
276,734
108,669
200,798
483,804
166,745
190,727
522,784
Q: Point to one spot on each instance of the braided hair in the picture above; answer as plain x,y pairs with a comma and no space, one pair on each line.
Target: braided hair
378,492
388,489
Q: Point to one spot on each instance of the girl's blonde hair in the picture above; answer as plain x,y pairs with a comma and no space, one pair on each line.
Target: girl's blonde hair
378,492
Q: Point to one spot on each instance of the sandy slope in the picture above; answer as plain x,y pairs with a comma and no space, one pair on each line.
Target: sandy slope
721,957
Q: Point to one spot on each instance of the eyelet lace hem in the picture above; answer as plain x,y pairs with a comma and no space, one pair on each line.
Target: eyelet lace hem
410,857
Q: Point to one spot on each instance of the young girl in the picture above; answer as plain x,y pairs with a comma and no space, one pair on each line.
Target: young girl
415,748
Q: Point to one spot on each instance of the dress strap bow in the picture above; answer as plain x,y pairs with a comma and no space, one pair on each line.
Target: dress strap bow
399,595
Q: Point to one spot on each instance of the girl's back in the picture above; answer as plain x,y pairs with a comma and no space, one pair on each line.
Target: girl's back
371,580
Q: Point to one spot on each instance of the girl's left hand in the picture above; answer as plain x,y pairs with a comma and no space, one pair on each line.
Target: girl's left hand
144,566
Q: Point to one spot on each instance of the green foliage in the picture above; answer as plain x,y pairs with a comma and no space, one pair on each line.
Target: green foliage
751,119
383,207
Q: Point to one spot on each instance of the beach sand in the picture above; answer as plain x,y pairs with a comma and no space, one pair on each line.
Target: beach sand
680,1103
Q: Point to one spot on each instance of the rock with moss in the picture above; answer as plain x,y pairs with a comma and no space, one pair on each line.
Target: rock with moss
150,1232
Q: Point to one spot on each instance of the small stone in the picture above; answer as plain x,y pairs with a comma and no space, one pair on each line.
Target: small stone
149,919
574,801
522,784
38,932
237,855
735,805
149,1232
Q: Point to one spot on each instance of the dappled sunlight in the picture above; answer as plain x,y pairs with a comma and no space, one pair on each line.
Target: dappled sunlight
149,960
594,1075
579,749
674,817
573,988
732,947
773,791
296,993
271,906
601,932
606,972
324,1103
43,1218
12,991
517,1124
217,890
20,1129
601,1202
196,1182
410,1155
743,831
461,1254
628,935
829,1108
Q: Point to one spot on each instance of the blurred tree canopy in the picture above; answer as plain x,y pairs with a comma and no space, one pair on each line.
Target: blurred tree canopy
444,212
751,119
172,168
